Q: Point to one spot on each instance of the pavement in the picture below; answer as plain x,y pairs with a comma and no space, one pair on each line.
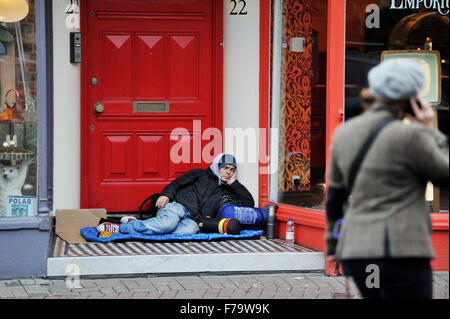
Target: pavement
286,285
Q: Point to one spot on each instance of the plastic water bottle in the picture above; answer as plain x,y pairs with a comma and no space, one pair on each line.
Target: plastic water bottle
290,228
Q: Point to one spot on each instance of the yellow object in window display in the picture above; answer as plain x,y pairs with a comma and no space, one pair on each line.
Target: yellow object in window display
13,10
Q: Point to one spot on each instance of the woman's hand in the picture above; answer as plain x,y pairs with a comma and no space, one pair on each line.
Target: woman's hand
162,201
423,114
331,258
335,264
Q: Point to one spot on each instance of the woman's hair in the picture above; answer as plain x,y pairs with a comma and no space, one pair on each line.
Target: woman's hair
367,99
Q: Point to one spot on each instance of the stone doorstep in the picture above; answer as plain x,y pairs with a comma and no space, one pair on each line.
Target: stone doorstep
186,263
166,257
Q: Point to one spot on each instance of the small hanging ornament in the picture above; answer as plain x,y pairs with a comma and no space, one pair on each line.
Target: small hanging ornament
12,128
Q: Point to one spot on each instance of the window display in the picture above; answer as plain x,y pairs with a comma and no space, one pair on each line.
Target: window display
375,31
18,117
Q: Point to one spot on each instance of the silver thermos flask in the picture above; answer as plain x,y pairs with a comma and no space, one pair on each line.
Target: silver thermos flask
270,226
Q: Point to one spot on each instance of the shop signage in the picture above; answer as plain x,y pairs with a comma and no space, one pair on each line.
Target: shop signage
440,6
20,206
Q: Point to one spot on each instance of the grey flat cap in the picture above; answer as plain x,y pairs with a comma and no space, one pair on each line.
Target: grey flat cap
396,79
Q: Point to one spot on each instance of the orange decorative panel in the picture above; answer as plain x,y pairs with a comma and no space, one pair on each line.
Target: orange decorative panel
295,104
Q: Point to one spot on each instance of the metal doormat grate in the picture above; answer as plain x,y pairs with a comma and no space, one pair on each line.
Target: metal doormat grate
64,249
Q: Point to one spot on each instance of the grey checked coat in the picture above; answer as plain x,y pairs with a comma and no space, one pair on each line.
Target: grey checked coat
387,215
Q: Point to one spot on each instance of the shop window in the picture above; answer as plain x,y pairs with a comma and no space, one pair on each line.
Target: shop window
298,105
18,117
374,28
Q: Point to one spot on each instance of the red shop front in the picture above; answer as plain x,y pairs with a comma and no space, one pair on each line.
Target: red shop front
314,59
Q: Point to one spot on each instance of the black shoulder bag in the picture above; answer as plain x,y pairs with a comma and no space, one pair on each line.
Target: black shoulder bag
148,206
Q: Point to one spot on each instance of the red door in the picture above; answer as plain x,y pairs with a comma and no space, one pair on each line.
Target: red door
148,67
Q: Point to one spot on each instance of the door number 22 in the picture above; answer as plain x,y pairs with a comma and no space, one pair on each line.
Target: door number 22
235,9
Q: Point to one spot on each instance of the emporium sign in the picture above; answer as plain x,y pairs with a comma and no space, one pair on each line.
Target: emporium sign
440,6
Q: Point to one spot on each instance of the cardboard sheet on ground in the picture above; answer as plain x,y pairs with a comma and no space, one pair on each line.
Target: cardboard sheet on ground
70,221
91,233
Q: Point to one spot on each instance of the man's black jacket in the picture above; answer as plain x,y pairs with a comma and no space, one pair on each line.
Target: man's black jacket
199,192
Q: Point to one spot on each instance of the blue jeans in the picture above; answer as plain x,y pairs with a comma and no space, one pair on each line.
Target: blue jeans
171,219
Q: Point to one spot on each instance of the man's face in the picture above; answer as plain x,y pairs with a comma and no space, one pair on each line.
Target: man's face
226,172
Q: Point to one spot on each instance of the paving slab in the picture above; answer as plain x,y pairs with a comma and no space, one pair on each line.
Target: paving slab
289,285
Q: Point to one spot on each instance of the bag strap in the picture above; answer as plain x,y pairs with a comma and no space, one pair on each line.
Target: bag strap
145,201
149,198
363,151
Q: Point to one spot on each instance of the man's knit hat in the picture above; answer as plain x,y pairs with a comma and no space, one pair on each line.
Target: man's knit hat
227,159
396,79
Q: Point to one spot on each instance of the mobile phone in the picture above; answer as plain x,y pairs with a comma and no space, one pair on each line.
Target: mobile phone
407,108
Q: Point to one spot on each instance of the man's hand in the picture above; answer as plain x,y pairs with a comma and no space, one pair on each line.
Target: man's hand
162,201
423,114
232,179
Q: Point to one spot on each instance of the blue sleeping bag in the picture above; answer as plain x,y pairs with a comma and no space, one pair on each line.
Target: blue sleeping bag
91,233
251,218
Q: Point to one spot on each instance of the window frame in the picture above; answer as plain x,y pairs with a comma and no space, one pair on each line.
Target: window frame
309,220
44,48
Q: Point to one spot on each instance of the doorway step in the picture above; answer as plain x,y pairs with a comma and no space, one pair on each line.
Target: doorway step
140,257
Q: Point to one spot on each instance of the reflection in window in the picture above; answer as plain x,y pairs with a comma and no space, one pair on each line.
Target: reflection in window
18,117
417,30
298,106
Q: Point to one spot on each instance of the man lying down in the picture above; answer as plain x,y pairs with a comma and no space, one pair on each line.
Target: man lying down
197,194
